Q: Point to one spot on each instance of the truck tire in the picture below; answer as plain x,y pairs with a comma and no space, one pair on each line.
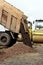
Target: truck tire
4,39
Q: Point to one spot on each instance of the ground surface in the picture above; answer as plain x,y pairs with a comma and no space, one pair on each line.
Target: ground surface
20,54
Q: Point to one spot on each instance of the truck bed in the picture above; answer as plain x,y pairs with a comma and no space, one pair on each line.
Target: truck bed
10,16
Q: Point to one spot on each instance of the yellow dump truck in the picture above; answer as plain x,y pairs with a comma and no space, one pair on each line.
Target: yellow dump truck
37,34
36,31
15,21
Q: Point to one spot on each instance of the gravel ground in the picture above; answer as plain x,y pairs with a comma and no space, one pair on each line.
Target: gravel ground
22,57
16,49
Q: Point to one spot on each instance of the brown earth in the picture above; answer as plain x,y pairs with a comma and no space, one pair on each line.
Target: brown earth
16,49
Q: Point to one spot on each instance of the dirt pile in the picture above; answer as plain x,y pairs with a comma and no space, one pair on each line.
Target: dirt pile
16,49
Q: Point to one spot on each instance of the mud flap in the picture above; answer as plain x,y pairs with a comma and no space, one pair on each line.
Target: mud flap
26,36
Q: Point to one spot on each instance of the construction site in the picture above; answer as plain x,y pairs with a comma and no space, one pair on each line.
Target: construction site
19,45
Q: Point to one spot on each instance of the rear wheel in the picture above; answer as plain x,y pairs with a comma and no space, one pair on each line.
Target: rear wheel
5,39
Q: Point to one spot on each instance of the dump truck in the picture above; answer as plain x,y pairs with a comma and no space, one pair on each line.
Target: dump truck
15,21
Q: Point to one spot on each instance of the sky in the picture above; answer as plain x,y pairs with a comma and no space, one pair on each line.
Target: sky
32,8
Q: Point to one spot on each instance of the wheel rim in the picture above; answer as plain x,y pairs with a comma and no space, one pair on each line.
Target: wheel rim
3,39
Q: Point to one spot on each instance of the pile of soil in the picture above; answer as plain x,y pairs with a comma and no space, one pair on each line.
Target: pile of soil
16,49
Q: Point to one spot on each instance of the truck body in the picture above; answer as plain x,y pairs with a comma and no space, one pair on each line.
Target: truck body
15,21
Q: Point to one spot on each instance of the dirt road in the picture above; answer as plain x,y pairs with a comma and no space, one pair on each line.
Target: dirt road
25,58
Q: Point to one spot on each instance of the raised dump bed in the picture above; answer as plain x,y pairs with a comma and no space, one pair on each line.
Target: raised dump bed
10,17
